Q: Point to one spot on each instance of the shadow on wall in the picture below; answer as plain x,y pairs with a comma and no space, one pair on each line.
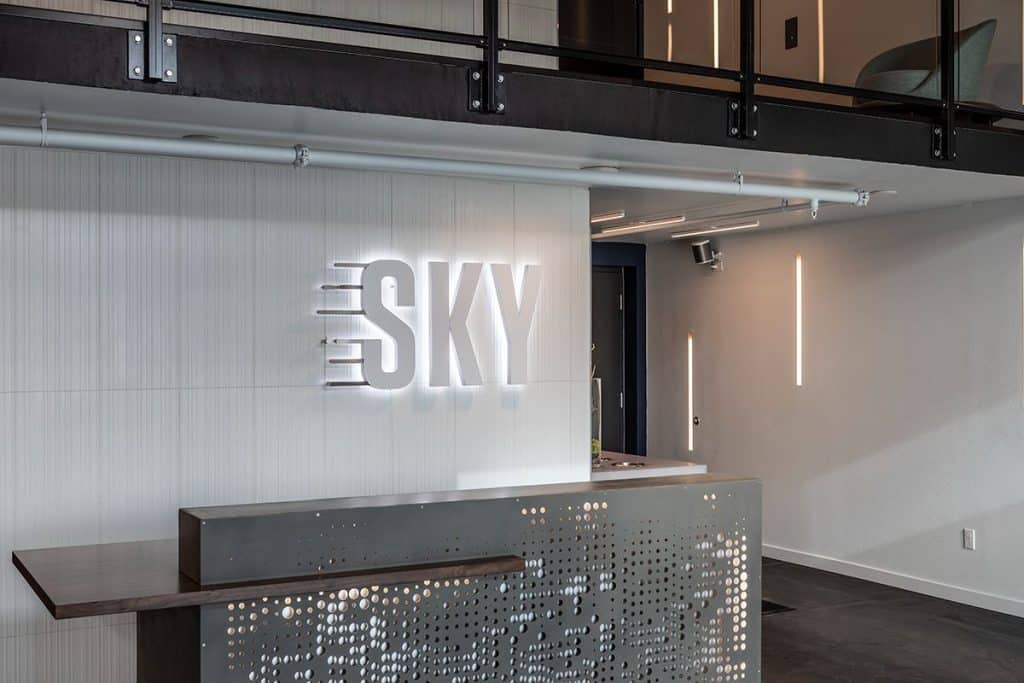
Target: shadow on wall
910,418
981,570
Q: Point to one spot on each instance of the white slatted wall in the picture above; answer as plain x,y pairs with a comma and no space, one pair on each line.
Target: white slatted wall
159,348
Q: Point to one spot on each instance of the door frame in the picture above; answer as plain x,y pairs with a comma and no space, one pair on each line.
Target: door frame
632,258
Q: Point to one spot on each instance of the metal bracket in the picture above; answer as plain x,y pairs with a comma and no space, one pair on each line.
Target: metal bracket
486,82
478,96
733,119
741,123
943,143
153,54
303,156
137,67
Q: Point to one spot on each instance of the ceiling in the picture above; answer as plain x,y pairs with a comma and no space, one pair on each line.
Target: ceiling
913,187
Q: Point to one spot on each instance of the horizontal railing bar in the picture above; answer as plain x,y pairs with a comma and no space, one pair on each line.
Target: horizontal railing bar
320,21
337,384
345,288
619,60
345,361
990,111
834,89
341,311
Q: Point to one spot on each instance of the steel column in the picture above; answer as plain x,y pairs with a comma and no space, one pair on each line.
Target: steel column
944,139
742,117
155,39
486,84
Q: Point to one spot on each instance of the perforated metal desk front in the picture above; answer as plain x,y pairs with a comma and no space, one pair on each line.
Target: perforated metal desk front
634,583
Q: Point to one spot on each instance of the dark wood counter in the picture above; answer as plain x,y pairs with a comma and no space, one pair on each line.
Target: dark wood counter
93,580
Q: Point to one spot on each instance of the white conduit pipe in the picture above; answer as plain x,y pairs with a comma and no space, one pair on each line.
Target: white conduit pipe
300,155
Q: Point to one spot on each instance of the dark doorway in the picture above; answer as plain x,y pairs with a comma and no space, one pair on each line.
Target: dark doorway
609,338
607,26
619,337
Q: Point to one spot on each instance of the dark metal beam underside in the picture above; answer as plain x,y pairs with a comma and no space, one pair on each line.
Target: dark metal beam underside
70,49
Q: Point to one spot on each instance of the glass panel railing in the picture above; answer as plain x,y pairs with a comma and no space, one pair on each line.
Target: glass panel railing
704,32
530,21
989,47
870,45
453,22
697,33
102,8
456,17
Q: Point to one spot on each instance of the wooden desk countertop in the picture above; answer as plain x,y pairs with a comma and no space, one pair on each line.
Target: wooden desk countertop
93,580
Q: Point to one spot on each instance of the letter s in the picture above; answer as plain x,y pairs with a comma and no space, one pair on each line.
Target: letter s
389,323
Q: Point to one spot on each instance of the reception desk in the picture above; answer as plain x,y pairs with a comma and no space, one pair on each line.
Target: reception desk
630,580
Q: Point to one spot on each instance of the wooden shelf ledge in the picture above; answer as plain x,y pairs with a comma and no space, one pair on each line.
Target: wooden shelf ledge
95,580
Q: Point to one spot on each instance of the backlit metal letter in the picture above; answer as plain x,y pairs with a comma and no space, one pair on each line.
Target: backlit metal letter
448,323
517,318
377,313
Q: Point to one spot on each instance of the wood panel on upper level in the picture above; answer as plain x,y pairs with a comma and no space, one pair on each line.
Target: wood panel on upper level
113,578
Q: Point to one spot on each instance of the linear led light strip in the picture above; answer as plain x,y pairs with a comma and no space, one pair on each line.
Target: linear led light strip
799,320
668,9
689,392
643,226
785,206
715,29
608,216
716,229
821,41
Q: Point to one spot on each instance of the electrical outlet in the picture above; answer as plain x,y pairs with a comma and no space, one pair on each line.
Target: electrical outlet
969,541
792,33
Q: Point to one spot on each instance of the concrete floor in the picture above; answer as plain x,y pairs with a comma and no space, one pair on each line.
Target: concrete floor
844,629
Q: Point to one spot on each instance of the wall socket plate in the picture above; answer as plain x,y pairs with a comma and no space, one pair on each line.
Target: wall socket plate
792,32
969,539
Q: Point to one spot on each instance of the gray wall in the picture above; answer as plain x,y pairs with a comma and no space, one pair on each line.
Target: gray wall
159,348
910,425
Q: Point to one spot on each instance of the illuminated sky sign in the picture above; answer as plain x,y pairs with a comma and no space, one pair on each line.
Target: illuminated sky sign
448,316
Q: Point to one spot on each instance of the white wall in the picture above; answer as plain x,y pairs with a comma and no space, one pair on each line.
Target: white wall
159,348
910,425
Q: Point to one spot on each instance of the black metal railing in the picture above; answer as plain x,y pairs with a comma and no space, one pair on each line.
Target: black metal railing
944,111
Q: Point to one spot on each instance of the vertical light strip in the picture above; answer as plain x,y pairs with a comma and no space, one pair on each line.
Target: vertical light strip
799,320
1022,52
689,392
1022,314
668,9
821,41
716,29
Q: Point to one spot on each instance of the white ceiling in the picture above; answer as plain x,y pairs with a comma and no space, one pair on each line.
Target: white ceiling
916,188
